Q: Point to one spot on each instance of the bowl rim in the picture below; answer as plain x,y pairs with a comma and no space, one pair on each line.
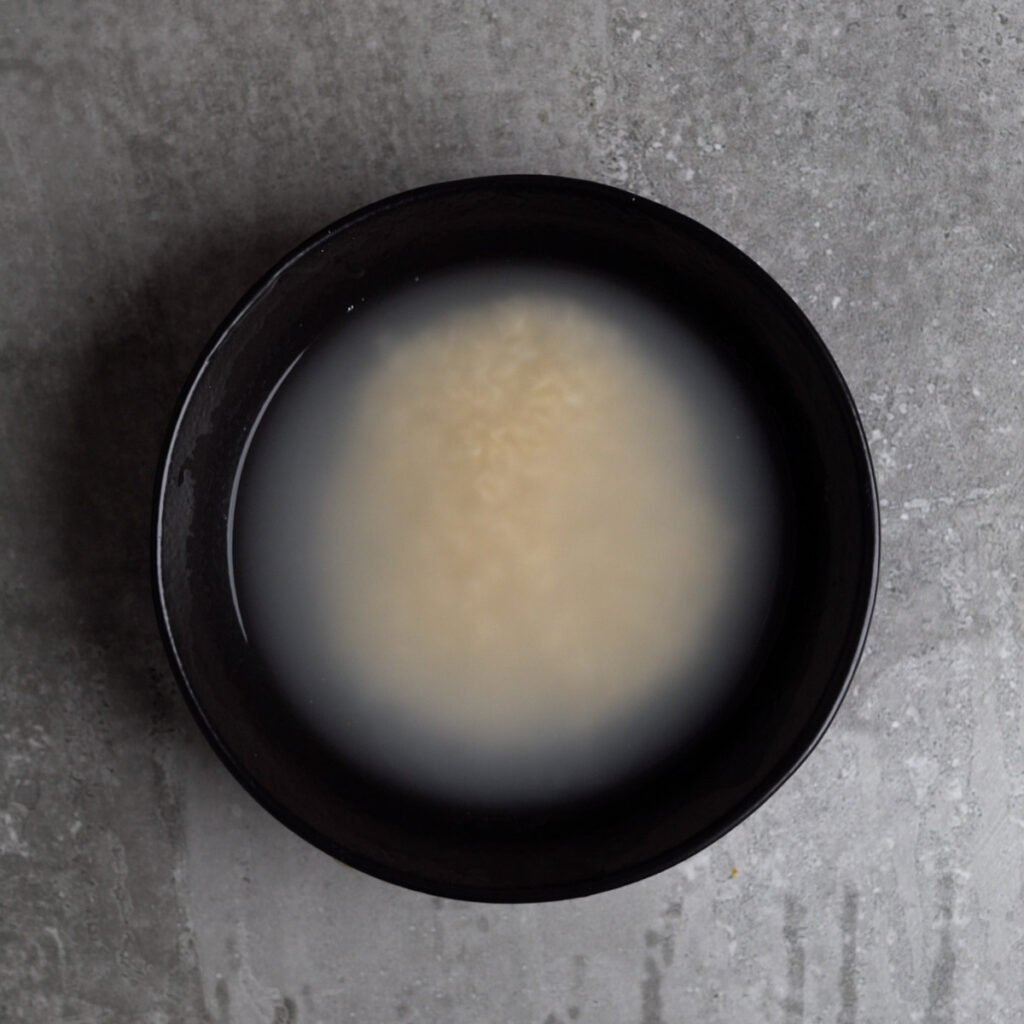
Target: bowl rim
757,795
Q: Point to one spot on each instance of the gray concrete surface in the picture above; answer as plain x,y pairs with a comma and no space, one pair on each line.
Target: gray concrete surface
156,156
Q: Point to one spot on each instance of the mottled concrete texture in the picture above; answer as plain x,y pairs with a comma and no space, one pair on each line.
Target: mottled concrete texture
156,156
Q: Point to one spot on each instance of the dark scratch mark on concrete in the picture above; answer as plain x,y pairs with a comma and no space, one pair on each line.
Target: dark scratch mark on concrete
848,961
286,1012
223,997
941,987
307,999
579,972
651,1005
796,959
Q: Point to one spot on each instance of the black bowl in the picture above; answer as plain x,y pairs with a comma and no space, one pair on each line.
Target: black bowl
793,683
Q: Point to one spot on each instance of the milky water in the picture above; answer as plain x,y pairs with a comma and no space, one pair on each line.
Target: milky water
507,536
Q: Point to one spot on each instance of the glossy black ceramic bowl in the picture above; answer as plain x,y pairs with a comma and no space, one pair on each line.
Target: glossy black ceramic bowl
793,682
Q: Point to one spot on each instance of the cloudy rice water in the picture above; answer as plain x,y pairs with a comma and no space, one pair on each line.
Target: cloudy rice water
505,536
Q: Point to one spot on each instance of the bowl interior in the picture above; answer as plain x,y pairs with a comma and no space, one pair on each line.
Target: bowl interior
791,685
